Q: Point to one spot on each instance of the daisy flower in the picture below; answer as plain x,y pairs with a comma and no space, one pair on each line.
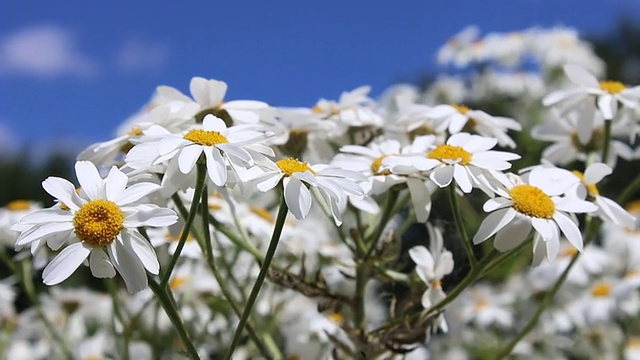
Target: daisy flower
608,209
334,184
209,95
234,147
608,94
100,224
534,202
466,158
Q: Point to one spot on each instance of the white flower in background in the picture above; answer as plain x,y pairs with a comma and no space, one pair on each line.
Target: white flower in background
457,118
574,139
222,147
558,46
608,94
602,300
608,209
333,184
484,306
462,48
353,109
173,119
100,224
10,214
446,89
465,158
534,201
209,95
432,265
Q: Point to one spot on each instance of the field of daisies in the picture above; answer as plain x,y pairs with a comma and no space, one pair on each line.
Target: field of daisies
492,214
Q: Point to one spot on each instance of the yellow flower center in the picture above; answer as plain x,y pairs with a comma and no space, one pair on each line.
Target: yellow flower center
206,138
481,304
172,237
568,251
19,205
291,165
593,190
263,213
461,108
135,131
177,282
98,222
633,207
633,342
612,87
531,201
336,318
451,153
375,166
601,289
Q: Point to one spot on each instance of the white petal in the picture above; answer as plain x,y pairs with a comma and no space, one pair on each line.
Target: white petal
65,263
493,223
544,227
216,166
421,199
43,232
242,116
297,197
135,192
214,123
442,176
237,152
574,205
580,76
596,172
148,215
115,183
100,264
553,246
138,245
608,106
421,256
496,203
90,180
128,267
267,183
46,216
569,229
462,178
512,235
62,190
188,157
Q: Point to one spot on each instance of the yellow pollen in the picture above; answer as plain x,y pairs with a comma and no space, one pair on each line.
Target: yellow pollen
317,109
172,237
93,357
481,304
568,251
601,289
135,131
19,205
291,165
263,213
633,207
375,166
451,153
593,190
633,342
436,284
214,207
336,318
206,138
98,222
531,201
612,87
177,282
461,108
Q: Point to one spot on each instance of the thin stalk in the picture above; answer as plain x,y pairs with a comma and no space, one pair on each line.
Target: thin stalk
466,242
172,312
219,278
126,333
273,244
607,140
387,213
200,184
629,191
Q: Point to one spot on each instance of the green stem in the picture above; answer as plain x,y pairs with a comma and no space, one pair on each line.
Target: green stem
592,227
387,213
126,333
174,315
200,184
29,289
466,242
219,278
607,140
273,244
629,191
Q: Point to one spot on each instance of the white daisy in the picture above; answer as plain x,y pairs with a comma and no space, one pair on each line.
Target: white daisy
608,94
534,201
333,184
209,95
465,158
101,224
223,148
608,209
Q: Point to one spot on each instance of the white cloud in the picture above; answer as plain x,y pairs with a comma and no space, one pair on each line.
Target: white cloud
137,55
43,51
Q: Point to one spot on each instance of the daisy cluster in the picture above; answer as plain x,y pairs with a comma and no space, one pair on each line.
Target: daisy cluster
181,204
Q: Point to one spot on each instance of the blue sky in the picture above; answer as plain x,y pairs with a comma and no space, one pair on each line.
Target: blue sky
71,71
